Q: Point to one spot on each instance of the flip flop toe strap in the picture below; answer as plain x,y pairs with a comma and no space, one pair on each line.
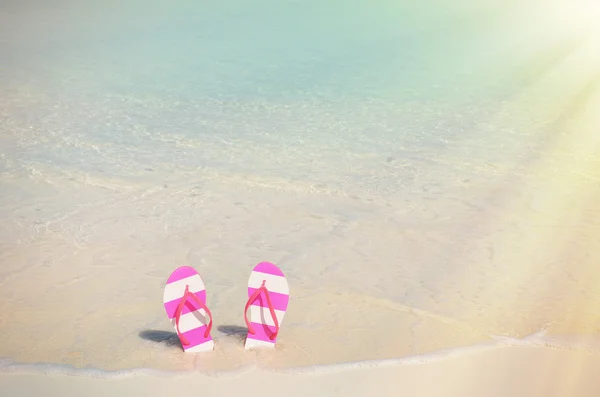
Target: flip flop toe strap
251,299
187,295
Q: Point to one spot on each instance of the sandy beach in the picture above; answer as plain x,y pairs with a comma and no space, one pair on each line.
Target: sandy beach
426,176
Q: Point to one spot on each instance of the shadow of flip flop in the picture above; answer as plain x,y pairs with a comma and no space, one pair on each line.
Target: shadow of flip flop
165,337
234,331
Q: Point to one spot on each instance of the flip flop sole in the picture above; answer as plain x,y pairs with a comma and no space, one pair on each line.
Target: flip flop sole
193,320
258,313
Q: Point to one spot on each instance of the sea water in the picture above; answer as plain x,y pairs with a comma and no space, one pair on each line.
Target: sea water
424,173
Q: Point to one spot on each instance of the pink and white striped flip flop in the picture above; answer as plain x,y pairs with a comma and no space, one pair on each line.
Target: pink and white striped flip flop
268,297
185,302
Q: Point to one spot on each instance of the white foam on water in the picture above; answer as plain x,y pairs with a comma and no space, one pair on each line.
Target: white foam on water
537,339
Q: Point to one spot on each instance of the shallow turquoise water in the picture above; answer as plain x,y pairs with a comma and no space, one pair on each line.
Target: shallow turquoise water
325,76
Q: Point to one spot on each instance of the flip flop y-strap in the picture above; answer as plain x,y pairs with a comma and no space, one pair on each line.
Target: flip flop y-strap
187,294
271,309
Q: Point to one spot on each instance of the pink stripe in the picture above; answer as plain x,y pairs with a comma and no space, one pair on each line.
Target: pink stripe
181,273
262,332
195,337
269,268
190,304
279,301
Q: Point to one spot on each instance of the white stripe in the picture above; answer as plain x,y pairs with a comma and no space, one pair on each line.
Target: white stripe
251,343
262,315
202,347
192,320
273,283
175,290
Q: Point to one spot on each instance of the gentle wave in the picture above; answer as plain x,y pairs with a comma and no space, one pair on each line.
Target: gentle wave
538,339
